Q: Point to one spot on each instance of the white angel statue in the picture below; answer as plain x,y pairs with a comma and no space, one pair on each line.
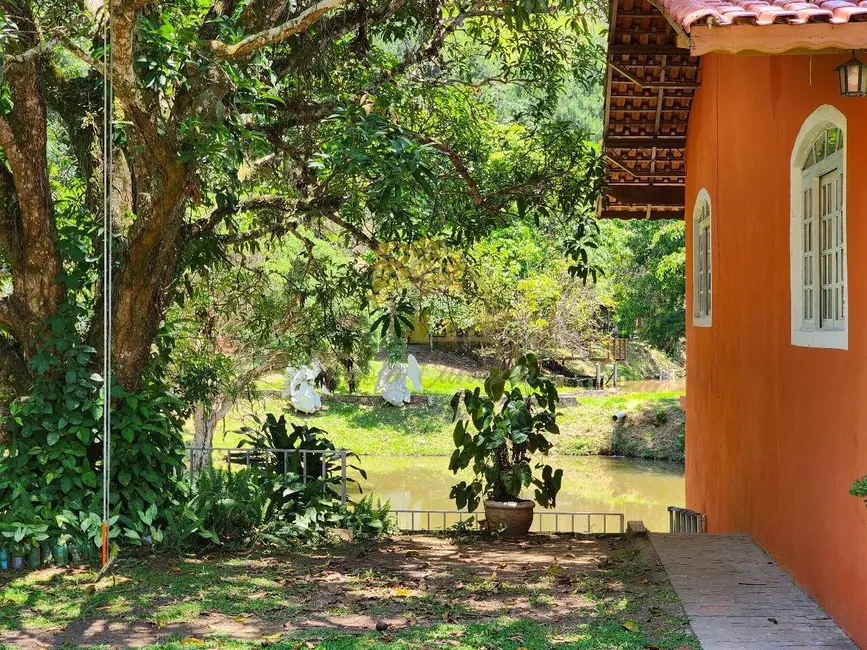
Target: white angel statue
391,381
298,387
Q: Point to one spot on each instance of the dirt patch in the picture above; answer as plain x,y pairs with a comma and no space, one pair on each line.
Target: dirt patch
412,580
440,357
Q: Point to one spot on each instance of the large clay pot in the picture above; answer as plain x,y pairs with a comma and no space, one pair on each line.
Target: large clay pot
516,515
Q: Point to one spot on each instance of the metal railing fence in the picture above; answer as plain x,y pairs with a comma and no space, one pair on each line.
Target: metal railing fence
596,522
302,462
682,520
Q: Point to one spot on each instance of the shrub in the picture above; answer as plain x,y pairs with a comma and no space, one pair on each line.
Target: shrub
511,429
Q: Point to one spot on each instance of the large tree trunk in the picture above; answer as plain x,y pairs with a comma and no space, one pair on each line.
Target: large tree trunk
28,235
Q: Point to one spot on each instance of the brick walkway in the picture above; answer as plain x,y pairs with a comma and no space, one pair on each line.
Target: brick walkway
738,599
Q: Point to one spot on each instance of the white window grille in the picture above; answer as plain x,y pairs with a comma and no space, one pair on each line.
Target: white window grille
819,289
702,261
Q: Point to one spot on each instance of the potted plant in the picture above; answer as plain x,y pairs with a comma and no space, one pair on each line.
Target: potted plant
17,550
26,539
502,440
5,555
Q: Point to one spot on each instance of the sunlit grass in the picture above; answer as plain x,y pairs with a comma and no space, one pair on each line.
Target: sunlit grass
436,379
426,430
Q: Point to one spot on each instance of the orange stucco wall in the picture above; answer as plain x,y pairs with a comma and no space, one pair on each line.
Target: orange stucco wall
776,433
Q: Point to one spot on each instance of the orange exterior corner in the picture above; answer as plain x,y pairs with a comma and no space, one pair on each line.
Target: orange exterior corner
776,433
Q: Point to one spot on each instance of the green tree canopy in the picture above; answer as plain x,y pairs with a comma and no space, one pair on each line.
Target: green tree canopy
645,263
242,119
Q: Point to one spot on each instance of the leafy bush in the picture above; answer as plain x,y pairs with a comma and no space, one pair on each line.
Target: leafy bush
508,435
369,519
277,497
230,506
859,488
54,461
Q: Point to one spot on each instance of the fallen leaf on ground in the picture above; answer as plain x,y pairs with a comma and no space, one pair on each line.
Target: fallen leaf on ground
401,592
191,640
631,625
553,570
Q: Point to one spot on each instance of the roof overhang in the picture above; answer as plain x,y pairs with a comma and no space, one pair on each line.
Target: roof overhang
649,87
653,72
778,38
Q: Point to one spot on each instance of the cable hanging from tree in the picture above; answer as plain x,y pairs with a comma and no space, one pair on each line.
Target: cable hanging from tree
107,130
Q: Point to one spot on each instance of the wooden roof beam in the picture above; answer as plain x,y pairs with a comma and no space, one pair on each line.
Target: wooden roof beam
630,48
644,142
643,212
637,173
652,85
657,195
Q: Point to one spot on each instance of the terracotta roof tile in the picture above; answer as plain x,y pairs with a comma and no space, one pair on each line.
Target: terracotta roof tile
687,13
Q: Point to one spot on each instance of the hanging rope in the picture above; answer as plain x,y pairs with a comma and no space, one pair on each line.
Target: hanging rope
108,164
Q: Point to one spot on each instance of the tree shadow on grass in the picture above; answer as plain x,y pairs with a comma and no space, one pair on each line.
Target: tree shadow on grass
473,588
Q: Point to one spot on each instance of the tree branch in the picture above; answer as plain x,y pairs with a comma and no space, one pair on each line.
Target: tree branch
276,34
330,29
250,204
359,234
457,162
32,53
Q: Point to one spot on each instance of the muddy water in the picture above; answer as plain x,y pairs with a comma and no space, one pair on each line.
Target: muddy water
640,489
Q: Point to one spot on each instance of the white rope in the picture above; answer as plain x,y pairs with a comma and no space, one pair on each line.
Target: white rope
108,163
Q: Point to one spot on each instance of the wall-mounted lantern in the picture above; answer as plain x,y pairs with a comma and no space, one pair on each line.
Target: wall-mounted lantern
853,78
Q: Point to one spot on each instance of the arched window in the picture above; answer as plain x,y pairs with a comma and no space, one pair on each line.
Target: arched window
818,237
702,261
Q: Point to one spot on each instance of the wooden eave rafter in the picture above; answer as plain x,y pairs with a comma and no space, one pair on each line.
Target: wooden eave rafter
649,86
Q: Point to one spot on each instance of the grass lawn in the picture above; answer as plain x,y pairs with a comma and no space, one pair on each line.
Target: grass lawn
436,379
654,428
468,592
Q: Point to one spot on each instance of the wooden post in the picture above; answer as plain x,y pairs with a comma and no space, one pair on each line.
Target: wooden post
598,376
615,374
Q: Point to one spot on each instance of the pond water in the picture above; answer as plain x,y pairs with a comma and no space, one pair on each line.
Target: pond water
639,489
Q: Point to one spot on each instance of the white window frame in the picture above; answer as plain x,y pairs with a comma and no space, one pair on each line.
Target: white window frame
806,332
701,224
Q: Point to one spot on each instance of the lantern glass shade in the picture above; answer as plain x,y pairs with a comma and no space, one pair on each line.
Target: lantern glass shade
853,78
